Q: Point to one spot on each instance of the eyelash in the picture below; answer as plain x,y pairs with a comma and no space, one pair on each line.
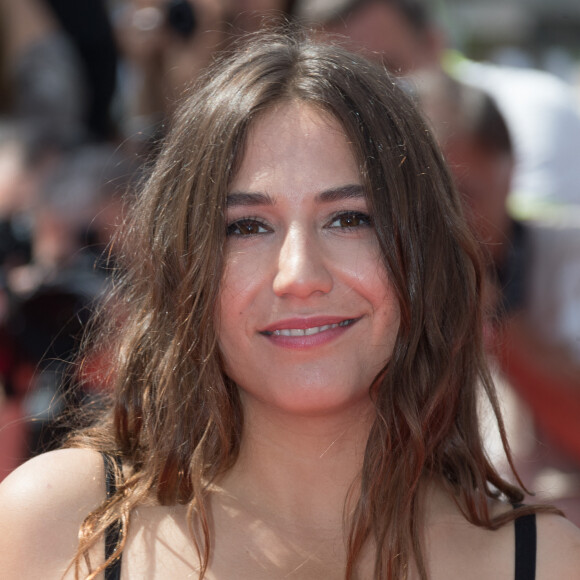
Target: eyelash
235,228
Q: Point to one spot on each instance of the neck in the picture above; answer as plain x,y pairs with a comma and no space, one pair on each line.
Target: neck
299,468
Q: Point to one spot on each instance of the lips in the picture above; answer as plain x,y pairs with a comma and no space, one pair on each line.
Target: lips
308,331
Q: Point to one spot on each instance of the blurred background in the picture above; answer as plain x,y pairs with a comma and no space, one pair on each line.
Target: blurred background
525,32
86,89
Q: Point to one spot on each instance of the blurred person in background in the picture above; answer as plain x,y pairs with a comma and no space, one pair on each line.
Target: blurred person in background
41,73
540,110
88,28
55,293
58,70
251,15
166,44
51,278
533,285
16,195
57,75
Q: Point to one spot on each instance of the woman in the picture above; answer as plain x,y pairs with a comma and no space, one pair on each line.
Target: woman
297,368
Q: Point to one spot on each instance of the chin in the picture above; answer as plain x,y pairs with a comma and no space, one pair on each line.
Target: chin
311,400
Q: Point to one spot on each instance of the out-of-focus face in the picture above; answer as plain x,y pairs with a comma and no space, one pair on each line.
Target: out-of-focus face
251,15
12,172
167,61
380,31
483,179
307,315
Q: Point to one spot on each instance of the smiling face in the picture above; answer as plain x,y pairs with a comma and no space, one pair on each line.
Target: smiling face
307,316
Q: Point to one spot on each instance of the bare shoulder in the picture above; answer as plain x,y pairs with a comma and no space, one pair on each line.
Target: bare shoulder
44,502
558,548
67,478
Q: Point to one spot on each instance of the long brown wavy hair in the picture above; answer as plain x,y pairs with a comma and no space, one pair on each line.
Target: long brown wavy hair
175,419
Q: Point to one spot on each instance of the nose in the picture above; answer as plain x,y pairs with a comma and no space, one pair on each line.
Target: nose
301,267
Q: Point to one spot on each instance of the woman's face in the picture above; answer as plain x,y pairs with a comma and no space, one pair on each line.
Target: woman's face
307,316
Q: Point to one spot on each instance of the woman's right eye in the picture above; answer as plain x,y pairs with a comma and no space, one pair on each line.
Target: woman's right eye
246,227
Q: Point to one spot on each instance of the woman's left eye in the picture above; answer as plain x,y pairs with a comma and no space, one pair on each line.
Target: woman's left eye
350,219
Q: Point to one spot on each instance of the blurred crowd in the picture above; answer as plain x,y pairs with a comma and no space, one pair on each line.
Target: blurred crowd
85,89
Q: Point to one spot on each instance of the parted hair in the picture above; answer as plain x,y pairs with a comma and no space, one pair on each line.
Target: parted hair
175,418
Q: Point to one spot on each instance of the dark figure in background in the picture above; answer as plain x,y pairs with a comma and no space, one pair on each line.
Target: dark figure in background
88,26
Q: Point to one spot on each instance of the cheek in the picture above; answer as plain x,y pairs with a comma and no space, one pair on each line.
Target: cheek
242,278
376,287
368,279
388,316
228,330
365,272
240,287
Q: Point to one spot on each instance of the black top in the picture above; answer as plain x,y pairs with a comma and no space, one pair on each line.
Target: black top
113,571
525,535
526,541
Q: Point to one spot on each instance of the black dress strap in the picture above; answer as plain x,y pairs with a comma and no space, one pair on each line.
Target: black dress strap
526,544
112,533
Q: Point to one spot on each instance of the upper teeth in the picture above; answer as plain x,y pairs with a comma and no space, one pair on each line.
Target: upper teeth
309,331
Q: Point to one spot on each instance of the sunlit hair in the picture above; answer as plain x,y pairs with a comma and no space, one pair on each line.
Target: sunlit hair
176,419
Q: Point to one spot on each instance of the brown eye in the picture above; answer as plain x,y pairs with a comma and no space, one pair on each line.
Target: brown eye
246,227
350,220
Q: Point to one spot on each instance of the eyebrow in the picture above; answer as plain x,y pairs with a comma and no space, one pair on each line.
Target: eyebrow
241,199
351,191
247,199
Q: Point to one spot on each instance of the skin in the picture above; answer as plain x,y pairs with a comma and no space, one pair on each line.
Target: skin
278,513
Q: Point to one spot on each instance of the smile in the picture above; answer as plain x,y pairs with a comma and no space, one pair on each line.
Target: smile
308,331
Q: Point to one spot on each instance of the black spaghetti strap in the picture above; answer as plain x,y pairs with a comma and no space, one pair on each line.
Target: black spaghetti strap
526,545
113,571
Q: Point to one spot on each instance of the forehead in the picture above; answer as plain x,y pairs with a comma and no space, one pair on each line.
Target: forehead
294,121
295,145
